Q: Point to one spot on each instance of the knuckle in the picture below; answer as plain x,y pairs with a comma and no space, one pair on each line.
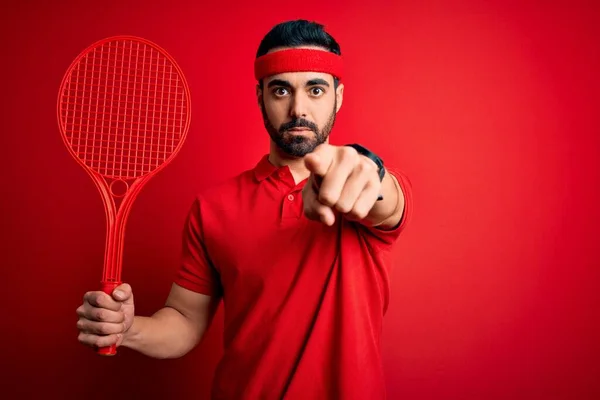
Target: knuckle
344,207
86,339
87,311
102,329
359,213
355,216
361,171
96,341
90,297
327,197
321,215
362,214
366,166
100,315
95,328
349,152
104,341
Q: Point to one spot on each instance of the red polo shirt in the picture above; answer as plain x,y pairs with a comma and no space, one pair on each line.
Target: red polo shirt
303,302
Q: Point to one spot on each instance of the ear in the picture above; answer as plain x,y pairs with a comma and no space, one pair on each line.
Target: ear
339,94
259,95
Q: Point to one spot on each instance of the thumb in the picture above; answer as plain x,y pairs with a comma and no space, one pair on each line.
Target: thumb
123,293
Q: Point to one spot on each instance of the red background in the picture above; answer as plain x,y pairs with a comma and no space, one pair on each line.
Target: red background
491,109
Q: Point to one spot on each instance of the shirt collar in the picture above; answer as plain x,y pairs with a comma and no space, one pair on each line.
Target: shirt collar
264,168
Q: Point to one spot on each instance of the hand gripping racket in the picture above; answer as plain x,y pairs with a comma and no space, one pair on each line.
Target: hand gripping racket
124,113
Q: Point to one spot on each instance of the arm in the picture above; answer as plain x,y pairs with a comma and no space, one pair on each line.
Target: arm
175,329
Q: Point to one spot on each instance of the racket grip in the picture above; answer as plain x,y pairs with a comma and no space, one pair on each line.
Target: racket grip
108,287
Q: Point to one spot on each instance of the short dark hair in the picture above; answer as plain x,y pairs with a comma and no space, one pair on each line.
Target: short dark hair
297,33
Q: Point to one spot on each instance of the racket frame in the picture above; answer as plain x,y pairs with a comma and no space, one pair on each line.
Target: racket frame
118,206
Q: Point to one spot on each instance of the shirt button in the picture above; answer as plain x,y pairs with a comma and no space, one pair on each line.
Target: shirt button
290,197
281,174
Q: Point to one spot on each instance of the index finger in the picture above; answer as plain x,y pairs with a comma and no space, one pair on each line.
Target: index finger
319,161
102,300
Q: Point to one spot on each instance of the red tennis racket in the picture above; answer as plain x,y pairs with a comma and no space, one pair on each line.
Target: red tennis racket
124,113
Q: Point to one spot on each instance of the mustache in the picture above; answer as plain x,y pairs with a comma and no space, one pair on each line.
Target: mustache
299,123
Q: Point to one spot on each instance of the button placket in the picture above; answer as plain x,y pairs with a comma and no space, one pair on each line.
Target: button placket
292,205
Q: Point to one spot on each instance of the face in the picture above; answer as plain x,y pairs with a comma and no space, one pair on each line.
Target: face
299,109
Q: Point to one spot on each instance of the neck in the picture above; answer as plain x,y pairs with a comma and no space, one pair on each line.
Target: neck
295,164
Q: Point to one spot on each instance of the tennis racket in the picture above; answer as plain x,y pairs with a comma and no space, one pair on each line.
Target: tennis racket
123,113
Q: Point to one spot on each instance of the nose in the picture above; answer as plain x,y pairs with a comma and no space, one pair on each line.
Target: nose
299,105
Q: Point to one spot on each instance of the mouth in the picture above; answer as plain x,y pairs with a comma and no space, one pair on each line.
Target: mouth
298,129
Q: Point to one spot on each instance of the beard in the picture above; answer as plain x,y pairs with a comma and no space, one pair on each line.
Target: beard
299,145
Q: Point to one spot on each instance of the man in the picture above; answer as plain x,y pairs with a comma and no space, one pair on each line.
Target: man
294,247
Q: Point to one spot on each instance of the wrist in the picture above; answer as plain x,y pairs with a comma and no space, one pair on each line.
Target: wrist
132,335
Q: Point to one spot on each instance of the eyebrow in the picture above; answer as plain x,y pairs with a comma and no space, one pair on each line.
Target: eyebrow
279,82
312,82
317,81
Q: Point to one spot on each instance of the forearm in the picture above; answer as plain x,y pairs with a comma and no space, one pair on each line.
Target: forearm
166,334
386,213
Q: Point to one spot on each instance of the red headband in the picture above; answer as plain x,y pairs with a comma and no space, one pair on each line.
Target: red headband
298,60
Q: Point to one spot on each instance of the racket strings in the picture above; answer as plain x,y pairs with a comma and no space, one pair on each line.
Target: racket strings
124,109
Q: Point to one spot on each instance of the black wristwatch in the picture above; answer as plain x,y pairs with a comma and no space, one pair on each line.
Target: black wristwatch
376,159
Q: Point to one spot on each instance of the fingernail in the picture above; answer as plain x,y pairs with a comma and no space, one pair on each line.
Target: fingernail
119,293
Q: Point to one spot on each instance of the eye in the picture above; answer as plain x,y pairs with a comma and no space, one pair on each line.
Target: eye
317,91
280,91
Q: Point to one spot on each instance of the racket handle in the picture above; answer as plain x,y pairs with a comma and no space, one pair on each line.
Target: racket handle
108,287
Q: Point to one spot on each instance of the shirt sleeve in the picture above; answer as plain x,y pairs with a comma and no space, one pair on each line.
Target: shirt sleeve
196,271
383,239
